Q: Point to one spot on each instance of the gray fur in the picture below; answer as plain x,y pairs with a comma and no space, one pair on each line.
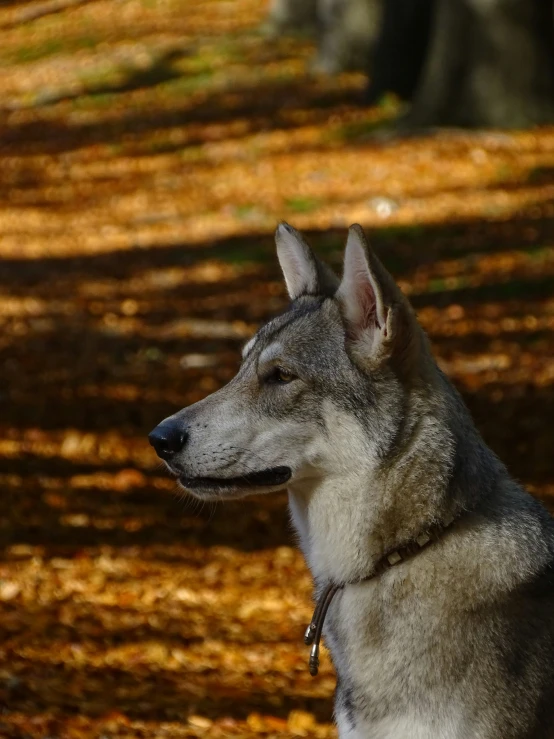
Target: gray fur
456,643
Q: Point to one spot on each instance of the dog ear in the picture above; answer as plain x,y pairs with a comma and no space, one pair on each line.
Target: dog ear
374,309
303,272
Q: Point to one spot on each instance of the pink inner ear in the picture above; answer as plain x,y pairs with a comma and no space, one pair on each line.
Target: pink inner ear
368,303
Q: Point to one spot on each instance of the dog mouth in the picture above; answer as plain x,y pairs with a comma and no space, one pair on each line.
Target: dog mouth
264,478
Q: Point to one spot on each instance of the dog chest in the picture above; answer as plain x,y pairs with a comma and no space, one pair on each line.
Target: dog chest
387,671
406,726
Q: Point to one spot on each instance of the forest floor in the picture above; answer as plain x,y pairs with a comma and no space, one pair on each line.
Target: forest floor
148,149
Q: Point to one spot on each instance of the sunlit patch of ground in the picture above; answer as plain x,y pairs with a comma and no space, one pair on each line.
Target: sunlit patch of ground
148,149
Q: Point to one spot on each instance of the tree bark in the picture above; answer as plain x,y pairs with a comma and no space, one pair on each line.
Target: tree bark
347,30
398,57
344,29
490,64
292,16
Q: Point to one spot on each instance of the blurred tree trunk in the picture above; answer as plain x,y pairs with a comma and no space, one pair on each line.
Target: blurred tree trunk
347,30
296,16
491,63
399,54
488,63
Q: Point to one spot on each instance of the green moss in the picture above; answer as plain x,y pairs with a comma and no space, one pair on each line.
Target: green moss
301,204
50,47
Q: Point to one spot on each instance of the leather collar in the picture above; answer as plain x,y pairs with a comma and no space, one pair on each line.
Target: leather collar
389,560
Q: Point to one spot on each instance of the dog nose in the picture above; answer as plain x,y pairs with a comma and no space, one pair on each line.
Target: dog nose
167,439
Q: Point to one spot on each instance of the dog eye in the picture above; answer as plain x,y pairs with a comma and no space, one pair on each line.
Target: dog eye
284,375
280,376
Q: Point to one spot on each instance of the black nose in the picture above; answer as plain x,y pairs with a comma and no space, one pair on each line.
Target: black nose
168,438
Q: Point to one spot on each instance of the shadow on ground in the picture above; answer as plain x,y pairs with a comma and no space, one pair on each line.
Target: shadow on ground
70,368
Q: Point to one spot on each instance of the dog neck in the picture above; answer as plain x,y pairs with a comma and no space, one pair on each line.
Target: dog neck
348,520
313,634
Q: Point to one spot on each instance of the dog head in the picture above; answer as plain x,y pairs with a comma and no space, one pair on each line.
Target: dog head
321,388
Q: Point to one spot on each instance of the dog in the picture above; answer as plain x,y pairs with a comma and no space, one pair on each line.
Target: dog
433,568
